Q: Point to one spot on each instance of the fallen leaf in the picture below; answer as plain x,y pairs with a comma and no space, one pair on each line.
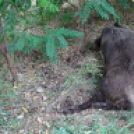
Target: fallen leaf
26,94
39,90
20,117
32,79
22,13
21,132
22,83
44,98
39,120
9,107
26,59
45,103
47,114
25,110
64,92
15,86
46,132
34,98
38,26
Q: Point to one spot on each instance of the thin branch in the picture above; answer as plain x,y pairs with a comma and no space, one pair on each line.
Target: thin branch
5,53
2,30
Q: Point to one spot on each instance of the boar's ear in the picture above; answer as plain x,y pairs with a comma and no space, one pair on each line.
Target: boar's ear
117,25
98,42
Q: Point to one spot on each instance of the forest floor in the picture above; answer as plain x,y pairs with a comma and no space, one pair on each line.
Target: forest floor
45,89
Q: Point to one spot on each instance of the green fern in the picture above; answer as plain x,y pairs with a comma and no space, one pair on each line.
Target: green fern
24,42
124,3
58,35
54,38
67,17
100,6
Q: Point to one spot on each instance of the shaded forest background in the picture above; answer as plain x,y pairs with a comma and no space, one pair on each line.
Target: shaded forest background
48,62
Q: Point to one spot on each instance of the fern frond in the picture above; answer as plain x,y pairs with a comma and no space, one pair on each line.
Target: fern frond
58,34
53,39
101,11
124,3
106,6
24,42
32,40
100,6
70,33
20,44
50,47
85,11
63,42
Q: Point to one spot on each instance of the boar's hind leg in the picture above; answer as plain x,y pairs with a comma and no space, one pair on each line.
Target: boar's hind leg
97,100
104,106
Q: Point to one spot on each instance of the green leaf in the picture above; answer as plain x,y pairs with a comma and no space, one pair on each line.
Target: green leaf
101,6
50,46
20,44
11,47
102,13
63,42
1,1
47,4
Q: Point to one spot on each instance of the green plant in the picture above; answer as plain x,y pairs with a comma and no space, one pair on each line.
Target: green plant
26,42
100,6
21,40
8,8
55,38
67,17
124,3
47,4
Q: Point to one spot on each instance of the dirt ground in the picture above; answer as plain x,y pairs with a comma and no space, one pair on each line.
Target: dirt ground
45,89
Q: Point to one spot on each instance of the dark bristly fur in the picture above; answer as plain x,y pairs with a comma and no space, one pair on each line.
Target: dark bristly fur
117,24
117,88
